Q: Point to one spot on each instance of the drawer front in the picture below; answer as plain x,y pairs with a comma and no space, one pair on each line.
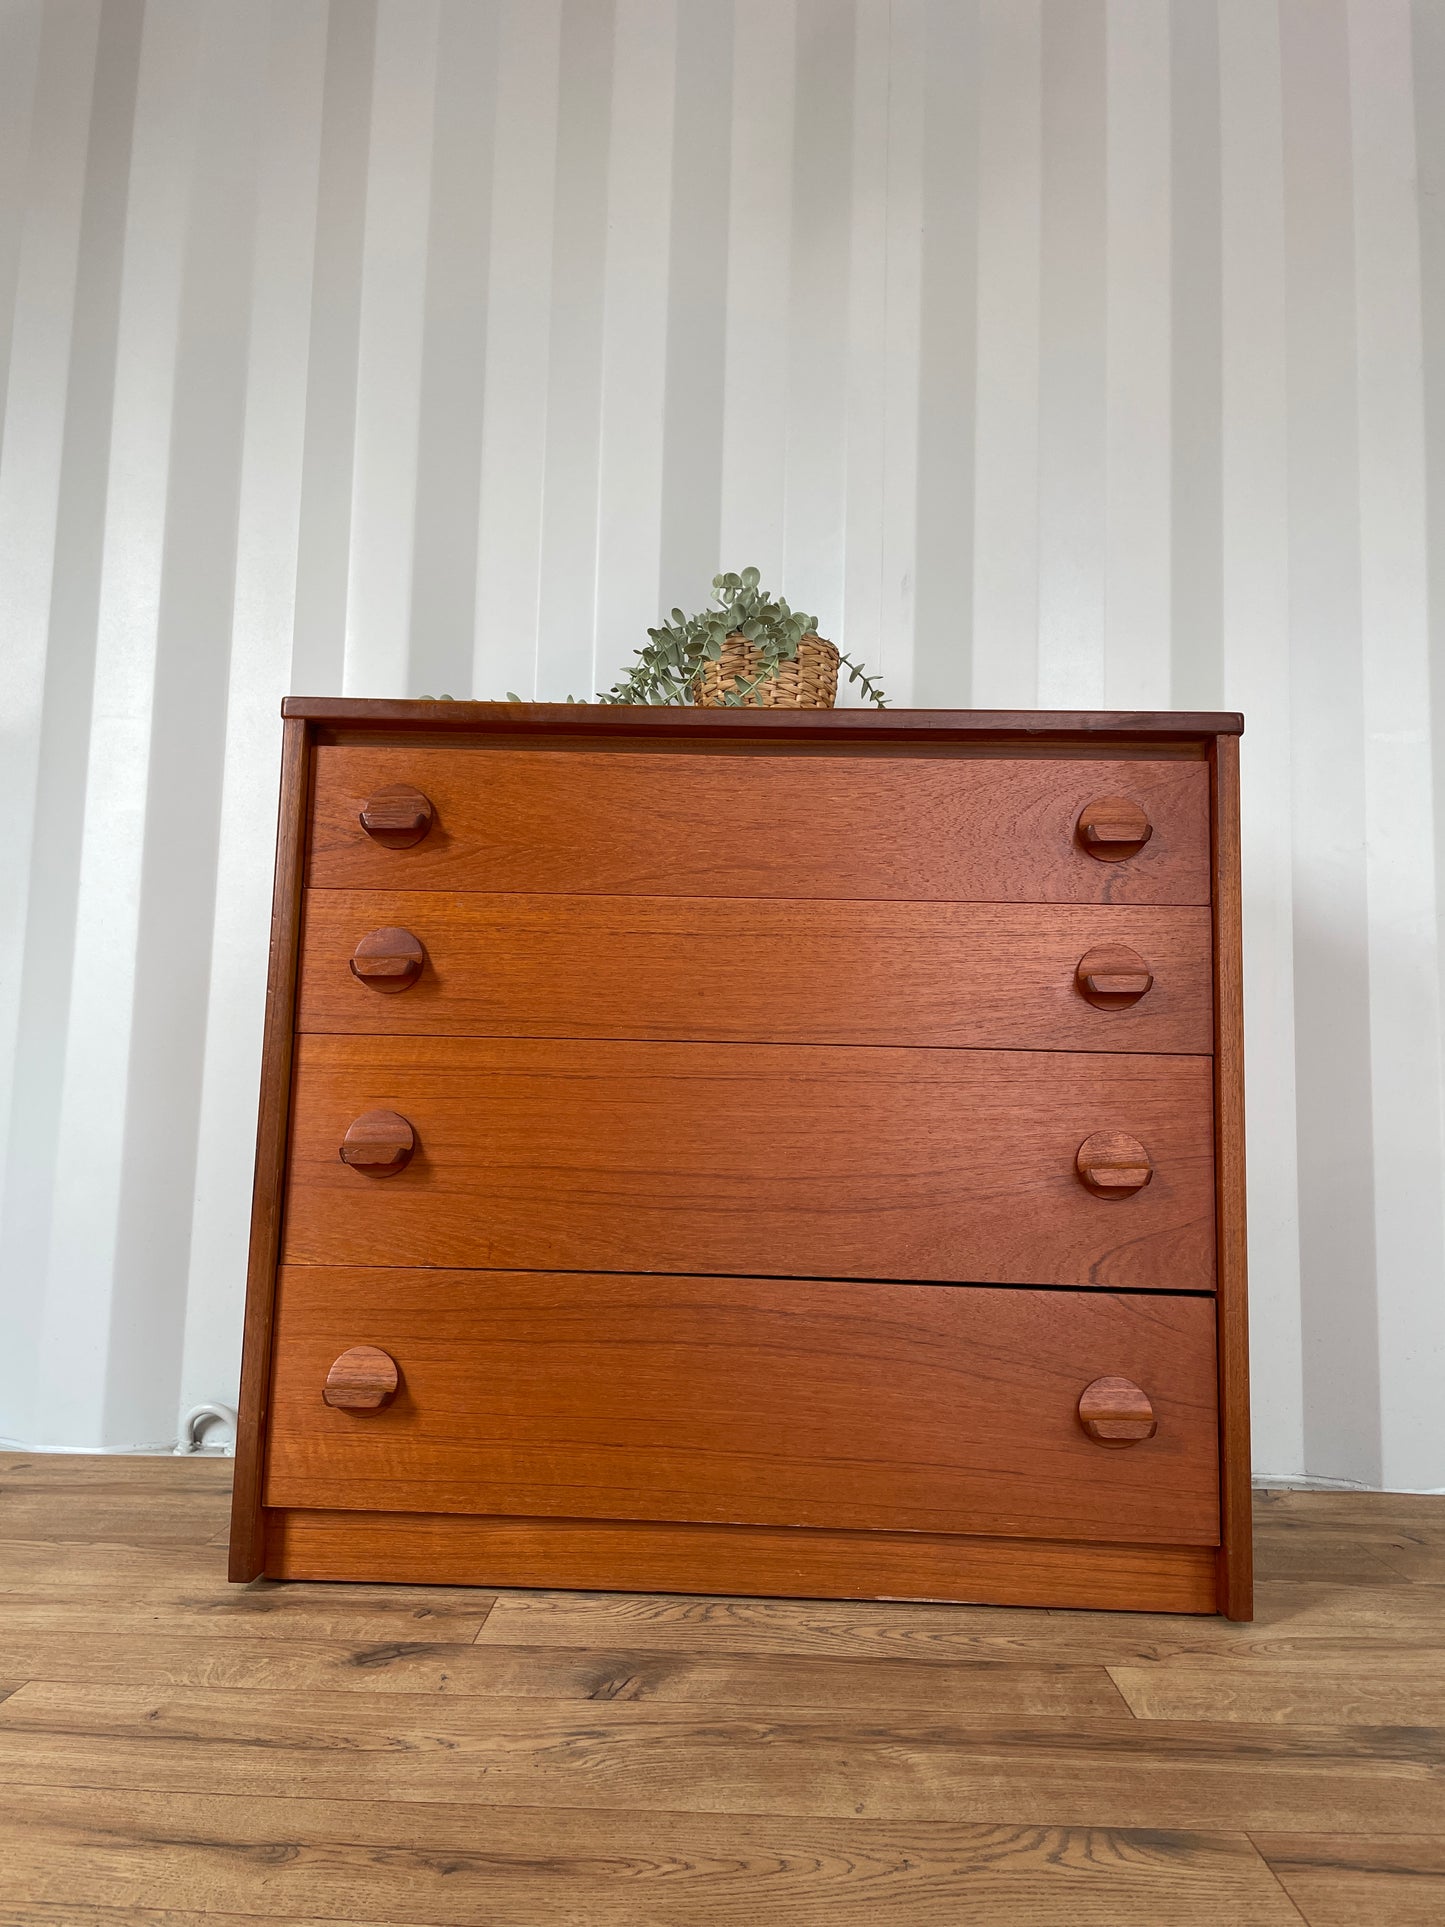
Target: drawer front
1005,976
659,823
773,1159
884,1407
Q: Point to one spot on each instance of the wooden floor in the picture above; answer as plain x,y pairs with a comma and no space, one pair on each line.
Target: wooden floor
175,1751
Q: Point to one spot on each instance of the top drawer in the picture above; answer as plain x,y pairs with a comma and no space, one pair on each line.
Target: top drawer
747,823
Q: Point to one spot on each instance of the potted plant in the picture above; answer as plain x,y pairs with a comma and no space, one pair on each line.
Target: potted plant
751,650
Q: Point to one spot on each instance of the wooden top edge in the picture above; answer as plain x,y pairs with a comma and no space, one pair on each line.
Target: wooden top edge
876,725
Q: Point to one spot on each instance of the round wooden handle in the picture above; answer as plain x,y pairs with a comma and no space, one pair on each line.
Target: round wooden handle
1112,976
362,1380
1115,1411
379,1143
388,960
1112,828
1113,1165
397,816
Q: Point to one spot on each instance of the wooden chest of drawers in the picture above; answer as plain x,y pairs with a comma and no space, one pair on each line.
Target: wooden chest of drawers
752,1152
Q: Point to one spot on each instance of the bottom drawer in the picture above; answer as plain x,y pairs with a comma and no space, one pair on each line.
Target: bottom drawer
883,1407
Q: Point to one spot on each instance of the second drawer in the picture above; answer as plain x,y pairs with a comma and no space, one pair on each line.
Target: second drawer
745,1400
992,975
774,1159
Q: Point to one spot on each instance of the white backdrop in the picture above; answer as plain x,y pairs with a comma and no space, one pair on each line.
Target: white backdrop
1072,352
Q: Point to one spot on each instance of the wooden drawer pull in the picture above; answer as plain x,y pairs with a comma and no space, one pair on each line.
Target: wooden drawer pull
1112,828
1113,1164
1114,1411
379,1143
365,1378
1113,976
397,816
388,960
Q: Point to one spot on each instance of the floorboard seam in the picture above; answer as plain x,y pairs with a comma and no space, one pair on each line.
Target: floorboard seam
1289,1897
1108,1672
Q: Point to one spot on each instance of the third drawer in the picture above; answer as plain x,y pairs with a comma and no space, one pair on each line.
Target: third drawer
793,1160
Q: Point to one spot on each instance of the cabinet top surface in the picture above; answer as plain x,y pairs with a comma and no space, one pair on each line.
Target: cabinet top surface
600,720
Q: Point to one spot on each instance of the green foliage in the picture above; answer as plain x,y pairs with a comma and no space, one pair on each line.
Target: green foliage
671,664
869,687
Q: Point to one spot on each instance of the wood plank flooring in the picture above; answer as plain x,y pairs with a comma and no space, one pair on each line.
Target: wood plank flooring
178,1752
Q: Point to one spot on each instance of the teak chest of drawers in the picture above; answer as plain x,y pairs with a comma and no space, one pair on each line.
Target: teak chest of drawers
752,1152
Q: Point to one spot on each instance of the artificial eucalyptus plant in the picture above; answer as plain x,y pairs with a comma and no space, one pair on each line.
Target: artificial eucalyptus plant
671,664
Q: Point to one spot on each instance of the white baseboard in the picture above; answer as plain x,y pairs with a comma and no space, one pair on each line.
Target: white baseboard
1312,1482
161,1448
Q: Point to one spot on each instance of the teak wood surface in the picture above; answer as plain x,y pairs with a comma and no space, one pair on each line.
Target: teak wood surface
768,823
177,1752
747,1401
268,1194
791,1562
1030,731
981,975
753,1159
1236,1558
975,817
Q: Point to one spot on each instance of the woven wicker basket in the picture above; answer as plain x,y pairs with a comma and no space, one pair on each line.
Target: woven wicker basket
809,681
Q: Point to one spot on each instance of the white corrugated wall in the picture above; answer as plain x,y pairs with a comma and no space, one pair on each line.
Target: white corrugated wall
1065,352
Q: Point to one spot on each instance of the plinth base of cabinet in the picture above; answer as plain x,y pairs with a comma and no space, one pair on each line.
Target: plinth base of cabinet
781,1562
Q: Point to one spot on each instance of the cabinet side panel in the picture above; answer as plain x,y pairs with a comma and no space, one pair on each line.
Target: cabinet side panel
248,1550
1236,1564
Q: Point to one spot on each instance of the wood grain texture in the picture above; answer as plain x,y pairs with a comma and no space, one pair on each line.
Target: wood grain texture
1328,1626
387,961
1237,1561
402,1756
1375,1537
795,1760
1114,1165
767,1561
362,1379
457,1866
396,816
378,1144
1403,1688
83,1476
267,1195
1353,1880
63,1515
861,1164
755,1160
69,1913
789,824
71,1498
992,976
1113,977
1113,829
770,1402
1116,1412
379,1618
983,1689
348,715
